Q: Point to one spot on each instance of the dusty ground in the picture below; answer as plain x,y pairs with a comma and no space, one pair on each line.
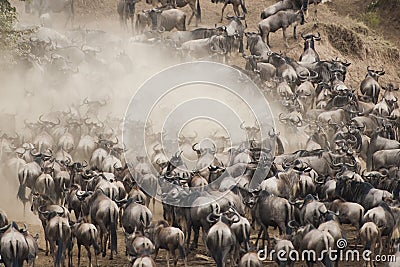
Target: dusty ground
343,36
196,258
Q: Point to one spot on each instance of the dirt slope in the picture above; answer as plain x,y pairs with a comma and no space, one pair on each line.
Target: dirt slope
340,22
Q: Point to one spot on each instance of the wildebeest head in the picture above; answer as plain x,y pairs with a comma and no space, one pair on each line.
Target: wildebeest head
154,16
375,73
130,4
340,67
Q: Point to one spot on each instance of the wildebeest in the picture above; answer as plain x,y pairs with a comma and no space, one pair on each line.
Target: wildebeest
281,20
250,259
86,235
285,5
135,216
221,241
169,238
14,248
166,20
370,86
126,11
104,214
317,241
361,192
370,237
193,4
310,55
55,6
236,27
234,3
270,210
58,232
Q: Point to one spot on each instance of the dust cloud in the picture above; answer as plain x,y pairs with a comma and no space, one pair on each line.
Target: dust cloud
111,68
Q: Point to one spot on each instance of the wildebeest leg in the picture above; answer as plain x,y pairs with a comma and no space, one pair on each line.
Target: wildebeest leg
258,236
190,19
89,255
167,258
267,39
294,32
196,231
103,234
236,10
79,254
193,8
47,246
223,9
284,37
95,256
156,252
188,232
132,24
174,256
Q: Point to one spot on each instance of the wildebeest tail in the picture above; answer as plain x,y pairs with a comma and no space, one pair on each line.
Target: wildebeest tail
218,254
93,241
198,10
184,23
243,5
368,241
113,230
288,217
14,248
60,245
246,236
181,239
360,219
327,259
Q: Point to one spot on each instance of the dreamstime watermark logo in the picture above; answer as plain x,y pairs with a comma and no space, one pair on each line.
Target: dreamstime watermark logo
206,93
339,254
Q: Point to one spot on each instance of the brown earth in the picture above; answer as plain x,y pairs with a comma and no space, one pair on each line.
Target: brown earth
344,35
196,258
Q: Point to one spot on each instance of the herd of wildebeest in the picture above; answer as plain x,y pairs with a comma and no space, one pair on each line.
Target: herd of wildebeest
337,162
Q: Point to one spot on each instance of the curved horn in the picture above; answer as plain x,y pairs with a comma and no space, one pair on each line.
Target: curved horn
40,210
318,181
209,218
61,213
290,224
57,123
41,120
197,150
116,142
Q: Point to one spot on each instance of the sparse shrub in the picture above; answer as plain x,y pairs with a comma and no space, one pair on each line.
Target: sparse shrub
371,19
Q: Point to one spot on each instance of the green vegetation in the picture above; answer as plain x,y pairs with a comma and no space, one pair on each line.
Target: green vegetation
371,18
11,43
383,3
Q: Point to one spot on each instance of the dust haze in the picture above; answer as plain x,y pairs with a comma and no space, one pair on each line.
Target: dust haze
116,70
